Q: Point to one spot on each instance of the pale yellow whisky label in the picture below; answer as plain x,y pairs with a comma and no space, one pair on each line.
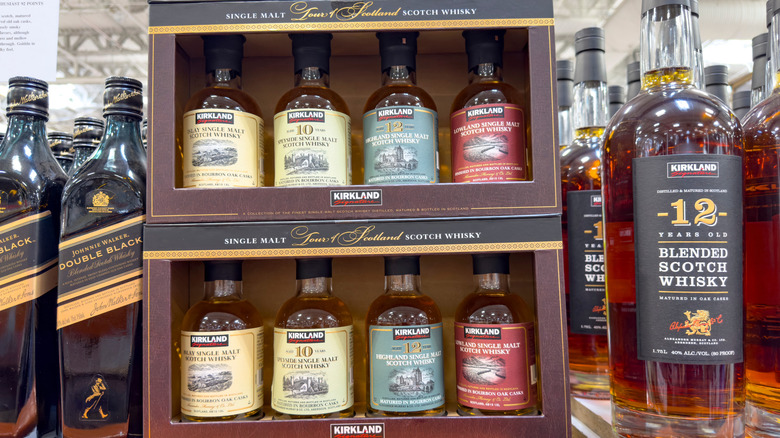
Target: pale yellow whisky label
312,147
312,371
221,372
222,148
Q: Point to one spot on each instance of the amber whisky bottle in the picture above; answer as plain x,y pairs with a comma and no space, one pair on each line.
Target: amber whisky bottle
100,291
31,185
672,181
313,352
87,133
405,364
222,350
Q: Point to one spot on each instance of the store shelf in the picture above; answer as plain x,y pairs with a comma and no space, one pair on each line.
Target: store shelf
591,418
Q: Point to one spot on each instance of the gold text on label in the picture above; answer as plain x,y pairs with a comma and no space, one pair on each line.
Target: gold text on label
303,11
29,98
365,233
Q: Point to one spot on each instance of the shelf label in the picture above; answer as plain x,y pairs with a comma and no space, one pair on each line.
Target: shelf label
28,39
351,430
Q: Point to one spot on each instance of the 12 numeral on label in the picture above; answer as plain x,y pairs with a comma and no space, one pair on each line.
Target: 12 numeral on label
708,213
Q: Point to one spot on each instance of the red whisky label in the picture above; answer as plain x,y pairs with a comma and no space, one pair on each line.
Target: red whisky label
488,143
495,366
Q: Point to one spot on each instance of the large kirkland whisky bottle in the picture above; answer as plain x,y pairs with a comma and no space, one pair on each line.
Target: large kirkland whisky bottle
313,349
31,184
582,225
672,186
98,303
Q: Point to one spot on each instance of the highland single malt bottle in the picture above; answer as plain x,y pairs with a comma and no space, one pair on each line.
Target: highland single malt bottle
222,138
312,128
487,121
100,291
87,133
672,181
565,83
61,144
313,349
582,225
405,364
222,350
31,185
495,347
400,123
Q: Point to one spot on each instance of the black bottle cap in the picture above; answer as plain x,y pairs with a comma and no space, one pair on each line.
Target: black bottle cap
123,97
59,141
402,265
589,47
634,71
311,50
313,268
27,96
223,52
565,71
741,99
716,75
485,47
88,130
617,94
490,263
760,44
223,270
652,4
398,48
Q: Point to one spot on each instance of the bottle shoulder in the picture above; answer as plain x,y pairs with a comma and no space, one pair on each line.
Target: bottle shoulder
388,309
305,97
399,95
761,125
581,166
493,308
207,316
223,98
485,93
313,312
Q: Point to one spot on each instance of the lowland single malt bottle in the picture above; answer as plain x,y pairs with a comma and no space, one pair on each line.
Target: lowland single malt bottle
672,184
100,269
61,144
312,128
313,352
405,364
31,185
87,133
221,350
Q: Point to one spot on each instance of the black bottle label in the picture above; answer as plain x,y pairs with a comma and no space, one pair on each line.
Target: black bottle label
587,298
688,219
100,271
28,259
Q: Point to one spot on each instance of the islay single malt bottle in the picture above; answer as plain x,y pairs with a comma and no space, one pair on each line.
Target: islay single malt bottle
312,128
582,224
405,363
61,144
313,349
99,297
565,83
400,123
672,178
87,133
495,347
31,185
221,350
222,138
487,119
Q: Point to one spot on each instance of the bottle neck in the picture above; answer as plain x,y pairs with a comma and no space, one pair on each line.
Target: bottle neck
405,284
666,47
223,290
31,129
123,133
773,56
591,107
399,75
315,287
698,54
487,72
223,78
312,77
492,283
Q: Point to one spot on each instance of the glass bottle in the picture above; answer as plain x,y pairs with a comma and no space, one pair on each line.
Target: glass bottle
61,144
672,192
488,317
31,185
758,78
312,127
699,80
222,126
633,75
565,82
716,80
233,388
773,46
487,118
400,122
405,364
313,352
87,133
100,286
617,98
741,103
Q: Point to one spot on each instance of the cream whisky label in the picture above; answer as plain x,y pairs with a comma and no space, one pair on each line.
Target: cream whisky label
312,371
100,271
688,225
407,367
495,365
587,288
401,145
312,147
221,372
28,259
488,143
222,148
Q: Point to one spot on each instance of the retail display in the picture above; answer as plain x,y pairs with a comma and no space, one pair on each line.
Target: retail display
87,133
617,98
758,78
716,79
634,77
565,82
741,103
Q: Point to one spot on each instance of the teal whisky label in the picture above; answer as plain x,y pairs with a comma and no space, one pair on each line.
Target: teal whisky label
407,369
401,145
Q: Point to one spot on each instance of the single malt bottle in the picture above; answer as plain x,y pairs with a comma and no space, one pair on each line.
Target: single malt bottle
400,122
758,77
222,138
582,225
672,176
565,83
31,185
634,80
312,128
87,133
313,349
495,346
222,350
61,144
100,269
405,363
487,119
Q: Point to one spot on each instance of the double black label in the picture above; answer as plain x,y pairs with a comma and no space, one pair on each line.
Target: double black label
688,220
